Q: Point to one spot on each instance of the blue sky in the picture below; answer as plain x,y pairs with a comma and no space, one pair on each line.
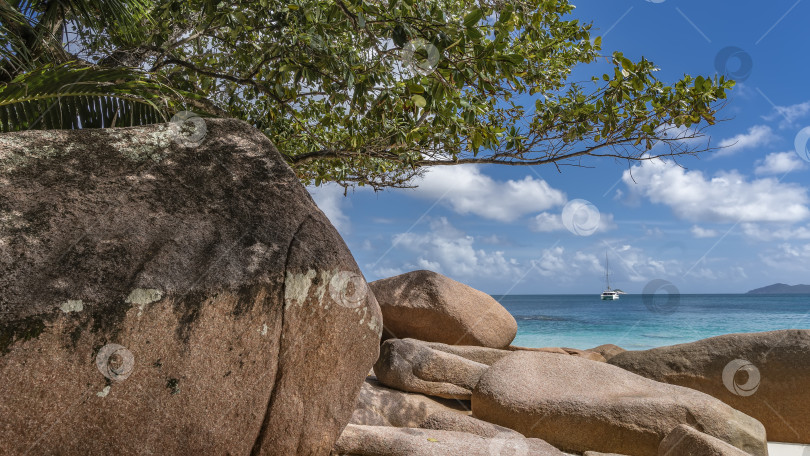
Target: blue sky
726,222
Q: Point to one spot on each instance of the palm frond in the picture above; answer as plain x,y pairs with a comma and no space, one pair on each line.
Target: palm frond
71,96
125,18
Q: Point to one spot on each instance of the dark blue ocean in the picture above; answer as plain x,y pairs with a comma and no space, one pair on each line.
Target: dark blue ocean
637,322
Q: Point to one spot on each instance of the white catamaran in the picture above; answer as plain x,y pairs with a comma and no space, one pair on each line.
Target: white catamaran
608,294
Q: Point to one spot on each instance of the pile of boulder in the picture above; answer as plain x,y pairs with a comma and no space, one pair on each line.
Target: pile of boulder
167,292
449,382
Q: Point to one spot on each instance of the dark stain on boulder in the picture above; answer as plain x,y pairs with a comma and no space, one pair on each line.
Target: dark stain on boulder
173,385
187,308
25,329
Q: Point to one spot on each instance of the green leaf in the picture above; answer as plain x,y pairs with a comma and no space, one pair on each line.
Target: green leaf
419,100
415,88
473,17
75,95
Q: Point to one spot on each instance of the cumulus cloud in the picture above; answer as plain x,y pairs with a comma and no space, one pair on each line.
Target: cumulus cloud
631,267
756,136
779,163
700,232
789,114
329,198
450,251
469,191
788,257
546,222
725,197
567,266
768,232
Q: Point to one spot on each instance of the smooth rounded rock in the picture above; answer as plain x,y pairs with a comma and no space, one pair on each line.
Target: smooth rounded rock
579,405
410,365
687,441
765,375
379,405
160,295
390,441
428,306
453,421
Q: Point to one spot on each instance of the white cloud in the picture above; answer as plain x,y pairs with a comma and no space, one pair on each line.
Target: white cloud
564,266
789,114
726,197
546,222
699,232
788,258
779,163
759,232
468,191
330,199
635,265
654,231
450,251
758,135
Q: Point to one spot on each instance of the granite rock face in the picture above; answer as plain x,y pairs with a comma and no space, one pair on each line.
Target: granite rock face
170,292
428,306
411,365
765,375
687,441
390,441
579,405
378,405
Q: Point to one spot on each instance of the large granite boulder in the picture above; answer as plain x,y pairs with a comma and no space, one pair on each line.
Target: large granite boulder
586,354
378,405
172,289
483,355
428,306
579,405
453,421
358,440
489,356
687,441
410,365
765,375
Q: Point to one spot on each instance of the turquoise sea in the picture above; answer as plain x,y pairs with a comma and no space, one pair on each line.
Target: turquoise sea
637,322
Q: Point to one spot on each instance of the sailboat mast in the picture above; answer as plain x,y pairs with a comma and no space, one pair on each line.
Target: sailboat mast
607,271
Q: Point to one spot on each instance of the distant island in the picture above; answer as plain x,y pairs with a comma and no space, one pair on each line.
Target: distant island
781,288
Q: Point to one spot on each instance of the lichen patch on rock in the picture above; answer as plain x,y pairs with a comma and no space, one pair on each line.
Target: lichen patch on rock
72,305
143,296
296,288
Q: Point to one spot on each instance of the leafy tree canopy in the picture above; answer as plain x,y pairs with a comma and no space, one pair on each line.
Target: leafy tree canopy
365,92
